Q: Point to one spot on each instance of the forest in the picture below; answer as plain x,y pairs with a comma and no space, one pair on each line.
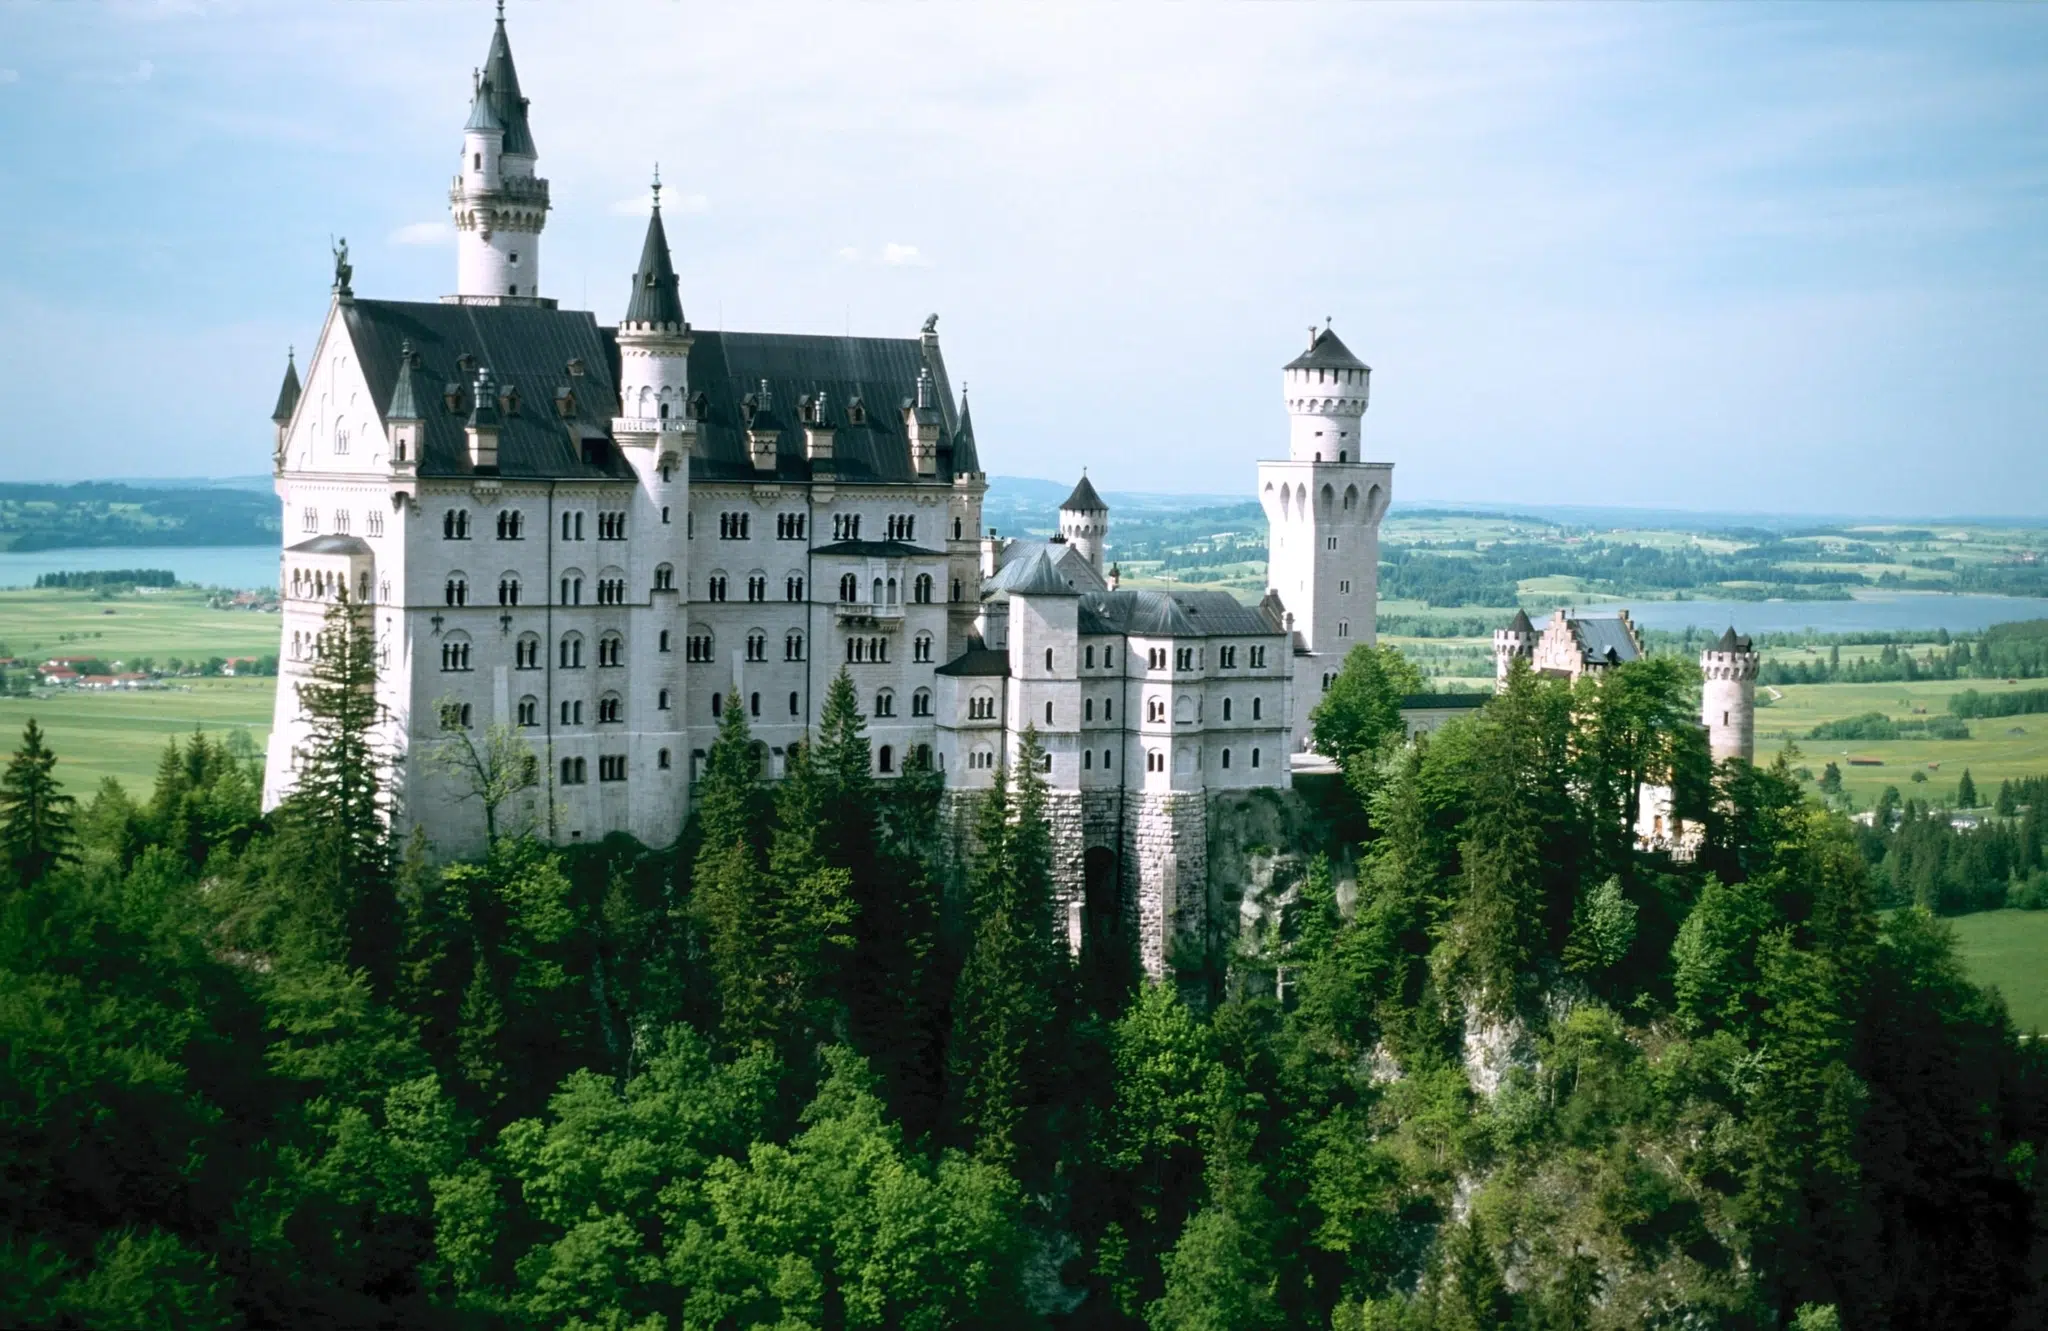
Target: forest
1494,1067
104,513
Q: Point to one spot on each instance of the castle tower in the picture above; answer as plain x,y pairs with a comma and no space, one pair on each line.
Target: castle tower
654,337
1517,639
499,205
1084,522
1323,508
287,404
1728,698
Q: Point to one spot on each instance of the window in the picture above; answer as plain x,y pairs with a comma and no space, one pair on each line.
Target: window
526,653
956,529
309,521
1184,658
1155,709
757,586
1088,709
790,526
1048,660
611,650
794,710
846,526
1226,760
341,521
1109,709
714,587
921,703
793,646
1155,658
570,656
757,646
455,654
664,578
661,643
793,587
611,591
1258,655
1258,707
733,526
609,710
902,526
1255,757
511,525
456,589
697,647
661,698
860,651
1343,628
508,589
572,589
1329,543
921,590
611,526
981,760
849,587
664,507
981,707
529,711
572,712
754,708
921,647
661,759
1328,679
1048,711
573,771
1226,657
885,759
885,703
1105,759
1088,657
1344,585
1087,760
1154,761
956,589
572,526
374,523
611,767
1226,715
455,525
718,704
454,716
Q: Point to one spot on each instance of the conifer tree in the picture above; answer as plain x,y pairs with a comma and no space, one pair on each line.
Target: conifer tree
35,813
1966,792
341,804
728,882
807,909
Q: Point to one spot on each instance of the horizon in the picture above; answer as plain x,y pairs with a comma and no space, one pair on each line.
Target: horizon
1599,258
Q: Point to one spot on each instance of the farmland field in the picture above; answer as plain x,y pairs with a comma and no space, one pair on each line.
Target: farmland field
2009,949
1998,747
122,734
37,625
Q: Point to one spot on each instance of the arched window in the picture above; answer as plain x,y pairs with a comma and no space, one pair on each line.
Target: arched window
921,647
455,525
1048,711
455,652
981,706
1226,760
714,587
793,645
526,652
664,578
661,642
698,646
661,700
1087,760
611,650
754,709
1048,660
511,524
878,590
1255,757
921,590
570,655
849,587
757,586
885,703
610,710
921,703
572,587
717,704
1257,707
1226,717
757,645
456,589
508,589
885,759
529,711
793,587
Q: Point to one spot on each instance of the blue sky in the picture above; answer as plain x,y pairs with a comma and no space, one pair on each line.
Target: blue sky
1708,257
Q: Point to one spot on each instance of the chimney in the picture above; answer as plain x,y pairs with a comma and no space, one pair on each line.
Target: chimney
483,426
818,431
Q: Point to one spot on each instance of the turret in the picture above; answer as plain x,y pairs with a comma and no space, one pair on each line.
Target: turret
406,416
287,403
1518,639
654,340
1327,389
1728,697
499,206
1084,522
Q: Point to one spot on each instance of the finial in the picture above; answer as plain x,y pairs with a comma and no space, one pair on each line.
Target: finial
501,11
657,187
290,354
1311,337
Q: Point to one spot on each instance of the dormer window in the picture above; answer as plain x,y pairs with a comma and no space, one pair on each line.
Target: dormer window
565,402
466,363
700,407
508,400
451,396
576,367
856,412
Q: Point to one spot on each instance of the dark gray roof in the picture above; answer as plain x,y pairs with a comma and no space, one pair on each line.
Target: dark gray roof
502,81
878,549
726,368
1606,639
287,392
977,660
1520,623
481,116
1084,499
1071,563
1160,614
1033,577
965,459
1326,352
525,346
1731,642
655,299
330,545
408,397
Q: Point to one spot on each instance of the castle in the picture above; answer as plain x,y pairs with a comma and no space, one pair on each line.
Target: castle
603,536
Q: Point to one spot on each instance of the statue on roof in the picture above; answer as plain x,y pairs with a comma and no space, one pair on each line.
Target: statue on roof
931,325
343,269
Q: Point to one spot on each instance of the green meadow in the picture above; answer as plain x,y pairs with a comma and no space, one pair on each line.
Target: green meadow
37,625
2008,949
1998,747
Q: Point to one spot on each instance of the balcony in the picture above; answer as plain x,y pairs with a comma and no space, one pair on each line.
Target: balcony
868,612
651,425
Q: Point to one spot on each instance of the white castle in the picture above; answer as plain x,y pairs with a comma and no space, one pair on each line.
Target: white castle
602,537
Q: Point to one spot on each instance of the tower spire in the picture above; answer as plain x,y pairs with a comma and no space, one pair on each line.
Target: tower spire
499,205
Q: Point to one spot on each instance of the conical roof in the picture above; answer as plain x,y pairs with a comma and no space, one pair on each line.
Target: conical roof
965,457
1729,642
1039,578
405,399
287,392
1326,352
655,299
502,82
1084,499
1520,623
481,114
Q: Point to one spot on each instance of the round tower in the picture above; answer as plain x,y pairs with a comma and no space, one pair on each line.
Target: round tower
1084,522
654,337
1517,639
498,204
1327,390
1728,698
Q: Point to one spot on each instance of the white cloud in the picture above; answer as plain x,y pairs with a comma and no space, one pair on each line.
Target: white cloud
422,233
903,256
672,203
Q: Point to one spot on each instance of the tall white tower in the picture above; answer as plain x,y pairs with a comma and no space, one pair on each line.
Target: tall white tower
498,203
1323,509
1728,698
1084,522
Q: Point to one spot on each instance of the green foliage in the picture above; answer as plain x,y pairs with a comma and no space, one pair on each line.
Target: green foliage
1361,710
35,815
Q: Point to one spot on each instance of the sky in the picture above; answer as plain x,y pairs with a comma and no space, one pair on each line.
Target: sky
1708,257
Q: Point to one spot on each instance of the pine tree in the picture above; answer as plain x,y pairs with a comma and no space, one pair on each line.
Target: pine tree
728,882
2007,806
35,814
340,806
1966,791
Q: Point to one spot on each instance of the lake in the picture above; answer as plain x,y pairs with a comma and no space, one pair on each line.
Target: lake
239,566
1877,610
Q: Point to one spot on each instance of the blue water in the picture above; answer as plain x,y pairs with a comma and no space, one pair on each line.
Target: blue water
1957,614
237,566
